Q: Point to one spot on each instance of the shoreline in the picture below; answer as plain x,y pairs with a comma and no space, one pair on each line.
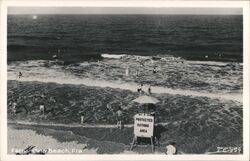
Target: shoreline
133,87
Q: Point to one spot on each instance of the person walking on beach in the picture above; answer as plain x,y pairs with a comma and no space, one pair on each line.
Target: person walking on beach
82,118
149,89
41,108
119,121
42,103
171,149
140,90
14,106
108,107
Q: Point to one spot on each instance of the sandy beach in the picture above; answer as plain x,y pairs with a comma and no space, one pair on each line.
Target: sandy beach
41,142
188,115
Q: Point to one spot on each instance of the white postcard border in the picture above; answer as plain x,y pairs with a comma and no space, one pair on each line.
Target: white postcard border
103,3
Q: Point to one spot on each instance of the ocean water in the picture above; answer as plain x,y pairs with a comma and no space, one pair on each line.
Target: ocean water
197,53
75,38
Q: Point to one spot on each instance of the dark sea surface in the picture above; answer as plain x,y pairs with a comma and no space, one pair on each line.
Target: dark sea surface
80,37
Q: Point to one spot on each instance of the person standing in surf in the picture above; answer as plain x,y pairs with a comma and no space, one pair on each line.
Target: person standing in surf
127,71
20,74
154,70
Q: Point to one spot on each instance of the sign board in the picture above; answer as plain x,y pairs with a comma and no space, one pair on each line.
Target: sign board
144,125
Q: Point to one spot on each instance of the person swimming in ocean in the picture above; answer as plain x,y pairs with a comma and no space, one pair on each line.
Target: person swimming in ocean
55,57
141,64
154,70
137,74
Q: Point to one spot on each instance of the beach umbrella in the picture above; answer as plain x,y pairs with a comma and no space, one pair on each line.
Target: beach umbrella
146,100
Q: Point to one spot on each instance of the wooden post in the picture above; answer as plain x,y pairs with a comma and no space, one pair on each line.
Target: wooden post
152,144
133,142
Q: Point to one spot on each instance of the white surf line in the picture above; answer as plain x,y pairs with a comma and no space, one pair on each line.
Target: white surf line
76,125
131,86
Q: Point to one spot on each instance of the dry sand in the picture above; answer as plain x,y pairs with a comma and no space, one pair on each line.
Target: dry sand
17,144
21,139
